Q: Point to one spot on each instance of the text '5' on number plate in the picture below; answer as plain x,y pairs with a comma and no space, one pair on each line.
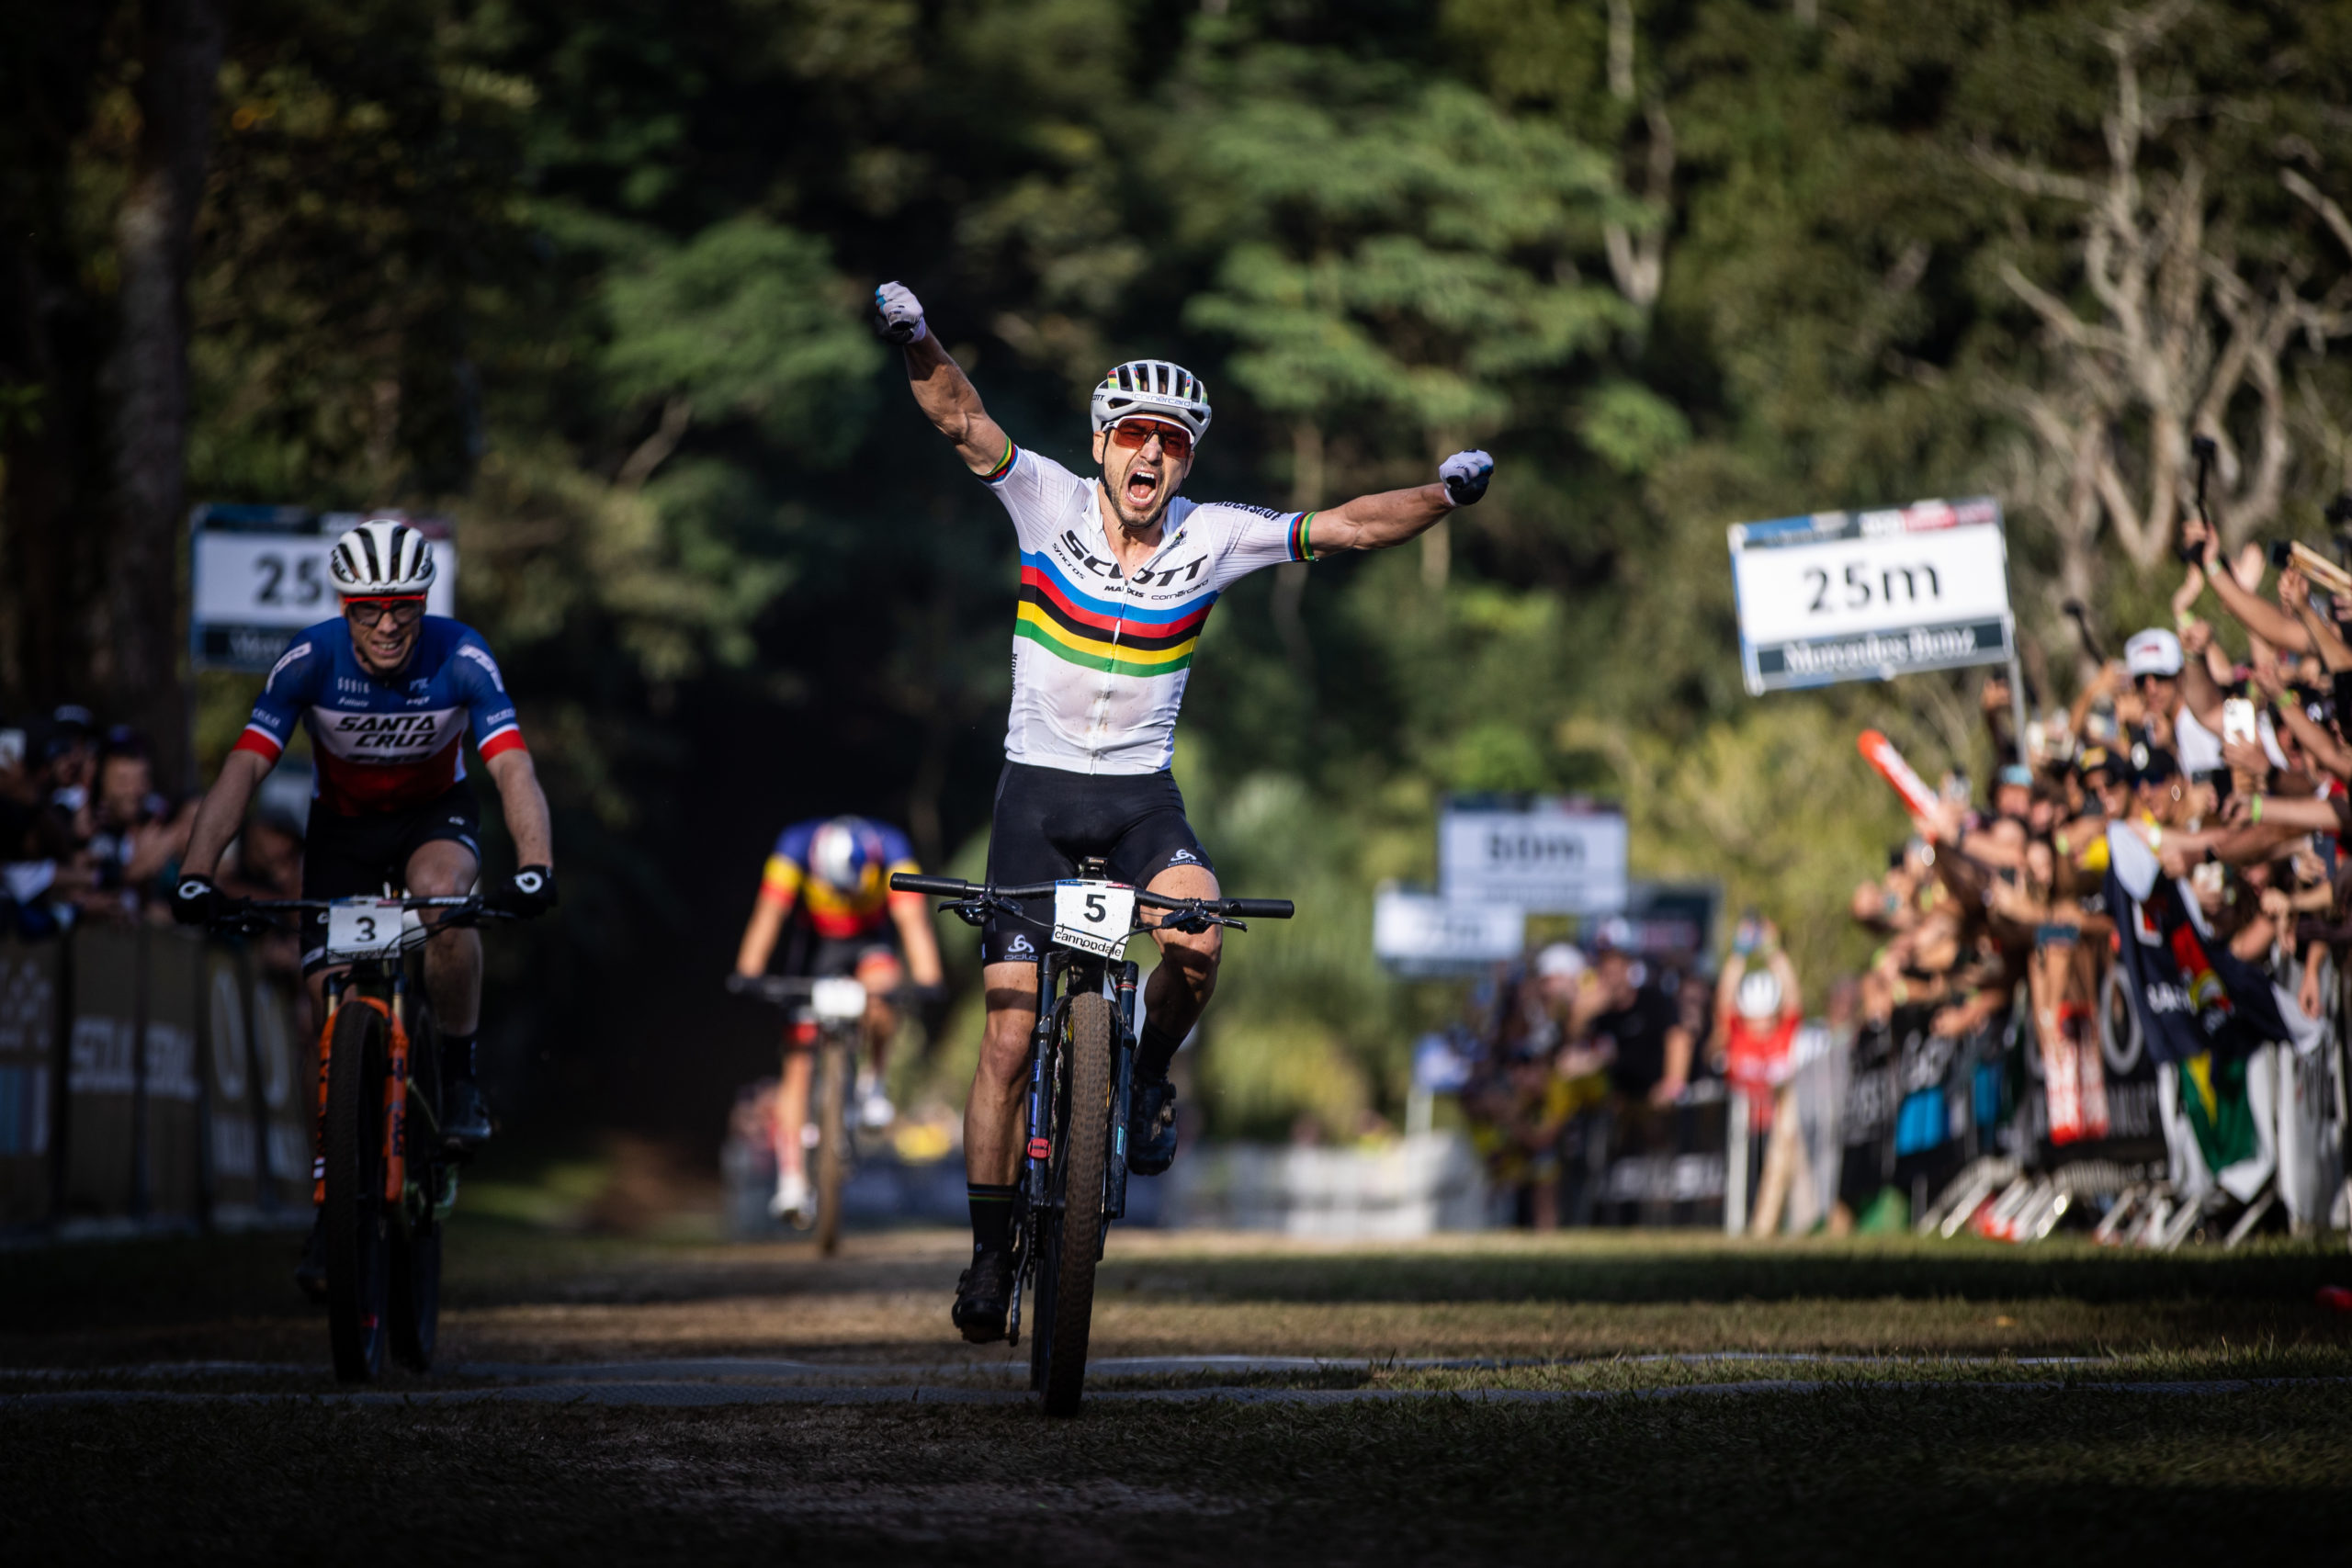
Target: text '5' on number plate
363,927
1095,917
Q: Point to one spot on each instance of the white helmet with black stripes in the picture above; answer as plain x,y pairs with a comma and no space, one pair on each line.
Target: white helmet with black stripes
380,558
1152,387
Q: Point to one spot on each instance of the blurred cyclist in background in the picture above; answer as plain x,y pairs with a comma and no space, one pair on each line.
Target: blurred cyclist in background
826,894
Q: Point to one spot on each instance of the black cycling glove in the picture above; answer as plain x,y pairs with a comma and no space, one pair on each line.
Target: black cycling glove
194,900
528,894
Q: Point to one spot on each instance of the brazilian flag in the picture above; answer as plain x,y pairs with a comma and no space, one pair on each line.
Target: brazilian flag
2213,1092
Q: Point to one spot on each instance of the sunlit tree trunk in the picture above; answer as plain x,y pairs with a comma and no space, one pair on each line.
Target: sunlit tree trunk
140,635
2182,341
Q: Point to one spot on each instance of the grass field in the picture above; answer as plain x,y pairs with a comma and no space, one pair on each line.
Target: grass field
1702,1400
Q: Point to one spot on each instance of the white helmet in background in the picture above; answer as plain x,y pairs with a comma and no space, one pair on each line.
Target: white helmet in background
845,853
1155,387
380,558
1759,997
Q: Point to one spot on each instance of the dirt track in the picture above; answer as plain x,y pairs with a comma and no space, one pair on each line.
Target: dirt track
1894,1387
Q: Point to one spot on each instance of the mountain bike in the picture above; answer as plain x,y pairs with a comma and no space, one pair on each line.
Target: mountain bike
837,1008
1082,1081
385,1191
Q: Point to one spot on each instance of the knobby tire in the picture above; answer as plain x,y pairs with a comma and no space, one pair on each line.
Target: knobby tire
832,1141
1085,1137
357,1226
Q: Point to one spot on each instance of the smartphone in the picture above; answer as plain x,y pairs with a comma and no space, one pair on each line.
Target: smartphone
12,749
2237,719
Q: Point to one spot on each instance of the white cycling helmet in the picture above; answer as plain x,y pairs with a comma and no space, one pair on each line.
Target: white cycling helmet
1152,387
1758,997
845,853
380,558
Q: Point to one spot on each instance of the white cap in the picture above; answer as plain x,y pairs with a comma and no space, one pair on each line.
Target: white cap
2152,653
1560,960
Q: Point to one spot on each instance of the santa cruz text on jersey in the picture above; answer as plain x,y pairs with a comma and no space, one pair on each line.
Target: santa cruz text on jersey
383,745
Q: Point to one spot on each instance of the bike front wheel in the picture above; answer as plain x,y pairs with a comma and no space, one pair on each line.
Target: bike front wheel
358,1225
833,1141
1067,1316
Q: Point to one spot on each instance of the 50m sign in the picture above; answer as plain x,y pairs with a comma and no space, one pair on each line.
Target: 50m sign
1867,595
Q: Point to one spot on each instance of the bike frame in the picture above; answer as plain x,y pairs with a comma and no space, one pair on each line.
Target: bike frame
381,983
1066,972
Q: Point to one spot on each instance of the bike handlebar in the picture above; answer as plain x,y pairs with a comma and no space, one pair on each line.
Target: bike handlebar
783,989
957,887
242,916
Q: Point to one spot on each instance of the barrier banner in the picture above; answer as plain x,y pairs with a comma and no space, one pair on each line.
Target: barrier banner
28,1078
231,1121
174,1094
285,1063
102,1074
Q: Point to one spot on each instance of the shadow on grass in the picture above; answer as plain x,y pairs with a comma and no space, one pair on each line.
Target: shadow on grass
1624,1271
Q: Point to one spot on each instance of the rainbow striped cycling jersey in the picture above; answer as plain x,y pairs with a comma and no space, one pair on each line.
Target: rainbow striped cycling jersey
1099,658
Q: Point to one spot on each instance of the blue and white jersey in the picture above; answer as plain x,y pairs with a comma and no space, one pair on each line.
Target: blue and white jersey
385,745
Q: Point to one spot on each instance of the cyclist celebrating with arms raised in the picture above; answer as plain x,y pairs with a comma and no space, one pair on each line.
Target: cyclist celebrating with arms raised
1117,575
388,693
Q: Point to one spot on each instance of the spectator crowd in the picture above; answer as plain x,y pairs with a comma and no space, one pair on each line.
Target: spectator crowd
2105,986
85,836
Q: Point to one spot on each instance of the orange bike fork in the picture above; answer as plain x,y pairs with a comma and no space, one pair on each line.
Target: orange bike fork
395,1103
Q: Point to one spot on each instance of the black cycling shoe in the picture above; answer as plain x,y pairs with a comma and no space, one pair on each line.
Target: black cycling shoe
1151,1129
983,1296
311,1273
465,1115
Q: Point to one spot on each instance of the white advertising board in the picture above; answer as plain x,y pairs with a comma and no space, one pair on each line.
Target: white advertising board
259,575
1548,856
1869,595
1419,934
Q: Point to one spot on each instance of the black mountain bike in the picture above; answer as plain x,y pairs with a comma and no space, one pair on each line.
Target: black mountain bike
1081,1079
837,1006
386,1180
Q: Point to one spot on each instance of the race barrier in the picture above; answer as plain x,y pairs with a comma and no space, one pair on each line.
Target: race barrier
150,1080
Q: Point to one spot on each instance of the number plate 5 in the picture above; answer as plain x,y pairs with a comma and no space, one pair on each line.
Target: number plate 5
1094,917
363,927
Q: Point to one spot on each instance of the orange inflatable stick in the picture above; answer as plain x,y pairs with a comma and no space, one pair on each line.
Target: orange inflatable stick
1880,752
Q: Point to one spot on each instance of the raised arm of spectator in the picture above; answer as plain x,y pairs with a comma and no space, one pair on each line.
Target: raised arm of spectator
2200,692
2318,742
2295,592
2265,620
2111,678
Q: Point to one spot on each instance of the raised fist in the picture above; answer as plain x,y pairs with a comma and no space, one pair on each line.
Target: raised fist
1465,476
897,315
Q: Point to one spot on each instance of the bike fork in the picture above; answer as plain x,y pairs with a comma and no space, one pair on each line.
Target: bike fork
334,997
1114,1194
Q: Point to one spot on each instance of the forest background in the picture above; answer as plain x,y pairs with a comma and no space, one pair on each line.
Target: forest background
590,278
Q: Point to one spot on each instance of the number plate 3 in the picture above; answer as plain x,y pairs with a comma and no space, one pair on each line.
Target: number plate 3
1094,917
363,927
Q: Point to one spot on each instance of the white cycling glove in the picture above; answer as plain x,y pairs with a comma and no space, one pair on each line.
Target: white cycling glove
1465,476
898,313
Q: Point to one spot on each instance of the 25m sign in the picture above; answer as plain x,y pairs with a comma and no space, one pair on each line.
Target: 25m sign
1868,595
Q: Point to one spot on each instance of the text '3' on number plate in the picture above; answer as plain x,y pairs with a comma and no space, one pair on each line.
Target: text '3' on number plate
1095,917
363,927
